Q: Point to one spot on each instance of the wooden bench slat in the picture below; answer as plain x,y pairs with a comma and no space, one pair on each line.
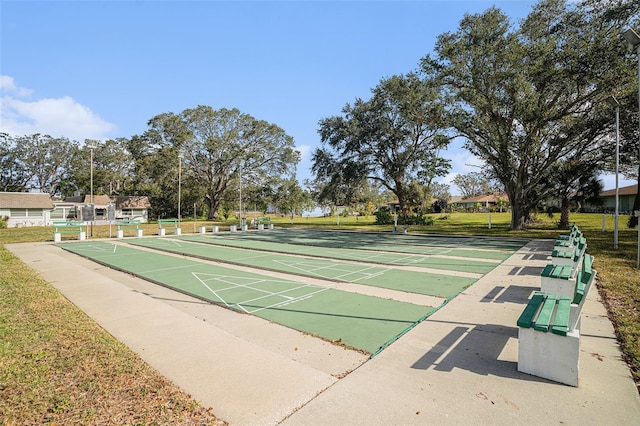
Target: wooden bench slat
167,222
530,311
543,321
546,272
578,294
561,320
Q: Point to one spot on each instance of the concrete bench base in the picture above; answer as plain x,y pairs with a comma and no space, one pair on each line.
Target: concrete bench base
549,356
120,233
563,261
558,286
214,229
57,236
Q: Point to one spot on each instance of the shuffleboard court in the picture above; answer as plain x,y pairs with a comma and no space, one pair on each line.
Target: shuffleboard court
409,281
465,247
364,322
477,266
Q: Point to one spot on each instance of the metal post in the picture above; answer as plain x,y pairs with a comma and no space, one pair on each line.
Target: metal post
615,218
91,145
614,103
180,157
633,39
91,167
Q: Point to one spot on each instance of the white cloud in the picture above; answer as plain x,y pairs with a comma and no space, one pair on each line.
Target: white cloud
304,151
59,117
8,85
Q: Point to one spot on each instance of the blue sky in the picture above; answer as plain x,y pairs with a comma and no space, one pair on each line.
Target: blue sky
98,70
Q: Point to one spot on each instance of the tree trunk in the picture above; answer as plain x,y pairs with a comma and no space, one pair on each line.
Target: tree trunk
518,209
213,202
517,217
564,213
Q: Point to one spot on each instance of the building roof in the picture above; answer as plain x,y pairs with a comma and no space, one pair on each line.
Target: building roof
132,202
121,201
98,200
487,198
25,200
626,190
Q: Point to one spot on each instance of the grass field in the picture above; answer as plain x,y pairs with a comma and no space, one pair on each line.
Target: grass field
55,362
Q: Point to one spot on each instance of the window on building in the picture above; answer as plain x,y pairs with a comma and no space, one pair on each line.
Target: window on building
18,213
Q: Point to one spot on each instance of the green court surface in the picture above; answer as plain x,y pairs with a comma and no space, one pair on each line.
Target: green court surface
419,282
464,247
434,261
363,322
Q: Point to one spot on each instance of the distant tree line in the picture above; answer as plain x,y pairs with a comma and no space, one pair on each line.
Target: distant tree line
220,155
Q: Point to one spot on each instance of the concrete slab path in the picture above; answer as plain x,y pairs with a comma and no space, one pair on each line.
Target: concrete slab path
457,367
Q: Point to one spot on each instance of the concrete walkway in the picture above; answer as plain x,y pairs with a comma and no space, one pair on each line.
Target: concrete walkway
457,367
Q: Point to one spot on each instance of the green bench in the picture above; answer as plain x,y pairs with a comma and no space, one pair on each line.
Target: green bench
569,243
262,221
164,223
563,279
570,256
574,229
549,331
123,225
68,227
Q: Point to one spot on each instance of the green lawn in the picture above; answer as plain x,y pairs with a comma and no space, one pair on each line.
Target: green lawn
36,321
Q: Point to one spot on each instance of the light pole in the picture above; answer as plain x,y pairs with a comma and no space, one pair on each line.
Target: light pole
240,186
614,103
633,39
91,145
180,157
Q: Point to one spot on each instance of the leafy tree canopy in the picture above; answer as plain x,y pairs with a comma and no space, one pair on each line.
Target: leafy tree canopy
220,147
527,98
391,139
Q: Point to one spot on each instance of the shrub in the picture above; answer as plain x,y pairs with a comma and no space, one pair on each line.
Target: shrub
384,217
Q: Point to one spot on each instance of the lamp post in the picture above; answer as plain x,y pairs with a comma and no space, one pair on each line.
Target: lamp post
180,157
614,103
240,186
633,39
91,145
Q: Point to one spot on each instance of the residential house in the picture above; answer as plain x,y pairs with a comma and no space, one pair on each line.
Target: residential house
37,209
487,202
25,209
626,196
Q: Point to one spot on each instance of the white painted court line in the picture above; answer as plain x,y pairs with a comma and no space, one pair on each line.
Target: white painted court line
314,268
287,302
234,285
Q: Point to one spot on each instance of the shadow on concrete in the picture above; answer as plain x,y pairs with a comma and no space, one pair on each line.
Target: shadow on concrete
526,270
475,348
512,294
536,256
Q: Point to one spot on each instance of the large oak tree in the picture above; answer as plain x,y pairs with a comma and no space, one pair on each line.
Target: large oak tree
391,139
223,149
530,97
